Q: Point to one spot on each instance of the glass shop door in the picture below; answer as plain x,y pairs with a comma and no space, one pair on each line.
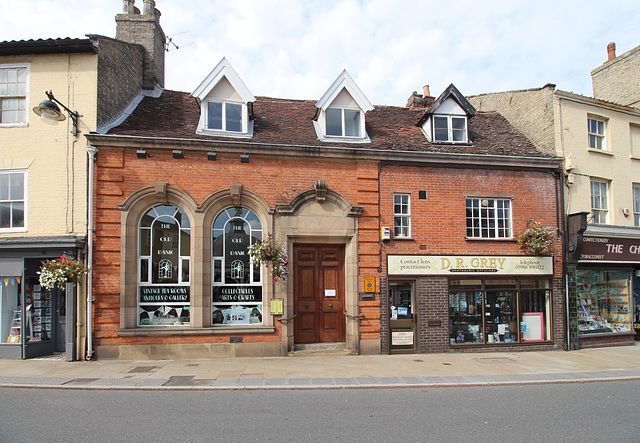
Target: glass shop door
402,318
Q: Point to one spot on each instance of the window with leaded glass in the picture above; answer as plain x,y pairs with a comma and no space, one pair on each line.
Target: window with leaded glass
164,257
236,282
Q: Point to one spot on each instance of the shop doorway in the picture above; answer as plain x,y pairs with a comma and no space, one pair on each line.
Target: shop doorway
40,314
319,293
402,318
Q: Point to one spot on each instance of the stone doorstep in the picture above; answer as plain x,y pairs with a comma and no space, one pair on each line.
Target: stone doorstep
320,350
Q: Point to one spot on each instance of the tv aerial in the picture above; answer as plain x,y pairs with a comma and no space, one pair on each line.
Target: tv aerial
170,45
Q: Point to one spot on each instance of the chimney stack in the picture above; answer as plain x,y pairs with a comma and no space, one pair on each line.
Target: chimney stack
611,51
418,101
145,30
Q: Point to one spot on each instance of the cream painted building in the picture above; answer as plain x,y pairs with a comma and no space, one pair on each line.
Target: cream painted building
600,144
44,168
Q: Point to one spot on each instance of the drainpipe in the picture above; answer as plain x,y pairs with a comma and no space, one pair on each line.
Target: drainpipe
91,152
561,222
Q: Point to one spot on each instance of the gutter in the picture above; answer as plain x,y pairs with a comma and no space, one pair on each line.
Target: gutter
91,151
325,152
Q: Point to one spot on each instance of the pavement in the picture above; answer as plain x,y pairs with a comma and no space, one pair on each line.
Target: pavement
329,371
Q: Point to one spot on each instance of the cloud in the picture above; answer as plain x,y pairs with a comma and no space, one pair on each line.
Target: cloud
295,49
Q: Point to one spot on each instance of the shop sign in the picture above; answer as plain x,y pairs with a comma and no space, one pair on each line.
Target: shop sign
614,249
369,284
164,294
401,337
237,294
468,264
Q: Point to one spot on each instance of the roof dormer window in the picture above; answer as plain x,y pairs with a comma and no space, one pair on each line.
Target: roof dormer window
225,116
343,122
225,104
447,119
449,128
341,112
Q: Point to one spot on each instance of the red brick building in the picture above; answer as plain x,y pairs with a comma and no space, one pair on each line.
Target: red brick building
188,181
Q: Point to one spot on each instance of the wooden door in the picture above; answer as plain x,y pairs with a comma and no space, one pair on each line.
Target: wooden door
319,293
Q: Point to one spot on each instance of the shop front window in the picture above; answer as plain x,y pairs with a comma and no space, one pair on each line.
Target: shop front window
603,301
10,311
535,310
500,311
490,311
164,242
237,283
465,304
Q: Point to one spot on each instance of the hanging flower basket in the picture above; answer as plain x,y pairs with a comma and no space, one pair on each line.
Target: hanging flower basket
55,273
268,252
536,239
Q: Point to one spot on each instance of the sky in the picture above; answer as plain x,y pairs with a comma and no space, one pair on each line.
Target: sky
297,48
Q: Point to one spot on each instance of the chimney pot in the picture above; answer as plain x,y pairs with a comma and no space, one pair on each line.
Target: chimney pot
149,7
127,6
426,92
611,51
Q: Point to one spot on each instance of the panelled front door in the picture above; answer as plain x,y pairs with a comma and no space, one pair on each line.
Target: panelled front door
319,293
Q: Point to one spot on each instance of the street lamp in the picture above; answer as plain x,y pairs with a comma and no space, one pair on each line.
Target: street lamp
51,114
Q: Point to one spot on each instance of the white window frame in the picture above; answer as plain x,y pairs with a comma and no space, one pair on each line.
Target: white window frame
401,218
12,201
25,97
599,201
224,103
597,139
450,130
489,218
636,205
342,109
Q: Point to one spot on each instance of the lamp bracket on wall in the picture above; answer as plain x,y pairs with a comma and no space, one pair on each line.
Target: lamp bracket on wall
50,113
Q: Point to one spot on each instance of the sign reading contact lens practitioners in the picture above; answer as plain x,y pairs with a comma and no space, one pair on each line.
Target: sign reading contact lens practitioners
468,264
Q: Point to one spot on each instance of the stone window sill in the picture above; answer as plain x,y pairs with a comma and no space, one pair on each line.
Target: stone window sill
170,331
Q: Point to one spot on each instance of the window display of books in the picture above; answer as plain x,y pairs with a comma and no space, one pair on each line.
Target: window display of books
39,314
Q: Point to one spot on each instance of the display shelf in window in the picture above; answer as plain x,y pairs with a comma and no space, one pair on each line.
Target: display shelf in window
603,302
16,327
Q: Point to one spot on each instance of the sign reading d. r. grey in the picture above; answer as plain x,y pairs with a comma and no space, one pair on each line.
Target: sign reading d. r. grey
236,294
468,264
164,294
616,249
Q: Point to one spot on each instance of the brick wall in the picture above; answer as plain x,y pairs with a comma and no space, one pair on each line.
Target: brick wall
617,79
119,173
432,298
438,226
119,77
146,31
530,111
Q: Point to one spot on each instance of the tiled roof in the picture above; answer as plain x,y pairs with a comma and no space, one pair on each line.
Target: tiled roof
290,122
47,46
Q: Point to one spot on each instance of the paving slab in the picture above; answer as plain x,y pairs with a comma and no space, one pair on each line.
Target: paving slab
329,372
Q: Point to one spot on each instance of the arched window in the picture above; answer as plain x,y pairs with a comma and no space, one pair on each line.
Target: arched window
237,284
164,257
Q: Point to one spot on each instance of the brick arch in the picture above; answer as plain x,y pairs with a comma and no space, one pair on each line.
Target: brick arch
319,196
132,209
236,195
